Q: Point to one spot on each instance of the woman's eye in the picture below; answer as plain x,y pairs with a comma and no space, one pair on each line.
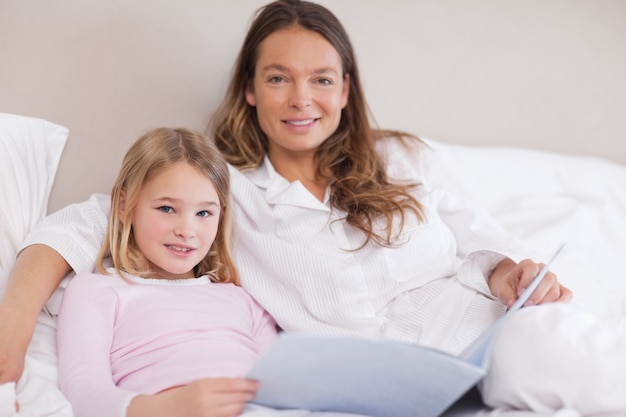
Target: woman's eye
166,209
276,79
324,81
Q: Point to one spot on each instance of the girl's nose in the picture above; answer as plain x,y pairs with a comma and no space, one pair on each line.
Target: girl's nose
184,228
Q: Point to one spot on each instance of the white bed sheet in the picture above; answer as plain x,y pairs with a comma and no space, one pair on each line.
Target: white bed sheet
545,198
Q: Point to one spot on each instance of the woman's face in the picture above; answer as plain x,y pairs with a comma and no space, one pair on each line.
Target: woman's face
299,92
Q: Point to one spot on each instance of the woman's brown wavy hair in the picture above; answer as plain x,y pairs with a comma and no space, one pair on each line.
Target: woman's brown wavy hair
348,158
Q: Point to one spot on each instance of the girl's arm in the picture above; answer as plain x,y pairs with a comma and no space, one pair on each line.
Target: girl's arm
37,272
85,330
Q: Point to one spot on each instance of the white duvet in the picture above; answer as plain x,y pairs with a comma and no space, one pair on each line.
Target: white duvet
544,198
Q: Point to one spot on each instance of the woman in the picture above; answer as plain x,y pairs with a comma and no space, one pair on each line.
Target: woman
341,228
295,122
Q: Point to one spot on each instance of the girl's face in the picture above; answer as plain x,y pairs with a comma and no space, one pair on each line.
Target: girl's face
298,90
176,220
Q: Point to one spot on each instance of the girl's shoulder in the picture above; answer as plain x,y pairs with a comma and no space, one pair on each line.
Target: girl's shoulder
92,286
239,292
96,280
234,289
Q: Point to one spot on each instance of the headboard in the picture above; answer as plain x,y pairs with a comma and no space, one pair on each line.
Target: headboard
547,75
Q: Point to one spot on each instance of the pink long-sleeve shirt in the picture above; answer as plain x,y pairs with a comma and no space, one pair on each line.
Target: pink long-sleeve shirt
120,338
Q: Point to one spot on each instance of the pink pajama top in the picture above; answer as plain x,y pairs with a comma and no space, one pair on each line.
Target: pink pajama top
120,338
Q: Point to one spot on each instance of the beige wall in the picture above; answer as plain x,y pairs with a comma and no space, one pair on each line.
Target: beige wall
535,73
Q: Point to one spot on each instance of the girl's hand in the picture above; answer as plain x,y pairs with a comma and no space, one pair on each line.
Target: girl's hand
214,397
509,280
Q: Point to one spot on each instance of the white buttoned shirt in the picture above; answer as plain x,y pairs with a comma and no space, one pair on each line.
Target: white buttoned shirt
296,257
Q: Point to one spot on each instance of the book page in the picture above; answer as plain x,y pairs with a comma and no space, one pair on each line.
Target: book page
373,377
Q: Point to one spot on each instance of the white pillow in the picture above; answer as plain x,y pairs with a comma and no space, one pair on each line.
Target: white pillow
30,150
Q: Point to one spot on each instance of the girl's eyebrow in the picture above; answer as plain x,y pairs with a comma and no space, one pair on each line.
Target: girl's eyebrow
161,200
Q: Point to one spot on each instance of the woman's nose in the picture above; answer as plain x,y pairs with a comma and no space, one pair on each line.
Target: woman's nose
300,97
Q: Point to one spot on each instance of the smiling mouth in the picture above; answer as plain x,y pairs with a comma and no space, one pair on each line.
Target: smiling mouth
300,122
178,248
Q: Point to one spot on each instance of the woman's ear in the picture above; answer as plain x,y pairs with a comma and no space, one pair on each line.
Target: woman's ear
249,94
345,93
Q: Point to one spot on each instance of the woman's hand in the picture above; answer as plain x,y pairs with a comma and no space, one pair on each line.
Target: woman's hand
12,352
215,397
12,347
509,280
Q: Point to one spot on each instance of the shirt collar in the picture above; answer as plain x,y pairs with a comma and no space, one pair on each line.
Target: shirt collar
204,279
280,191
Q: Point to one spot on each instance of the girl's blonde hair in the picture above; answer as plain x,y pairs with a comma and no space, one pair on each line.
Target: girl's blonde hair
348,158
155,150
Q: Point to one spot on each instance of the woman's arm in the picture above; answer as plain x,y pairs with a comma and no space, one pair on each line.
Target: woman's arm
67,239
37,272
509,279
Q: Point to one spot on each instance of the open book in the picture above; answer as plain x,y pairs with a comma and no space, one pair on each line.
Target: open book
373,377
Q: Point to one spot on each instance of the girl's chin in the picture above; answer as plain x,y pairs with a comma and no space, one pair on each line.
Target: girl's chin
175,273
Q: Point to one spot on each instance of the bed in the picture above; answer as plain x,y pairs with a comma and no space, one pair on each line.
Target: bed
546,198
535,136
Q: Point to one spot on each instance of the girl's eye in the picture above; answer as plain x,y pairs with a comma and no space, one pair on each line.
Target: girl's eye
204,213
166,209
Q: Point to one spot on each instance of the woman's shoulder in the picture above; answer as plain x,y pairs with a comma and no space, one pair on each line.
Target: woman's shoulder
399,144
404,155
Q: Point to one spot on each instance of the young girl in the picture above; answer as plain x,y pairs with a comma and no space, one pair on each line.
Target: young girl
168,319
